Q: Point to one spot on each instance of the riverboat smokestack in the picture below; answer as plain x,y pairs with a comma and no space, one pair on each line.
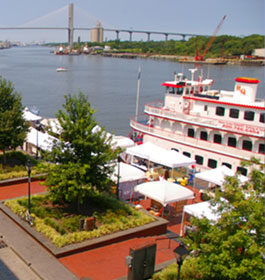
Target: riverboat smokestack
246,89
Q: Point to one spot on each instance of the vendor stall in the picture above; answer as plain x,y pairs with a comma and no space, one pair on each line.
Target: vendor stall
198,210
129,177
159,156
217,176
165,193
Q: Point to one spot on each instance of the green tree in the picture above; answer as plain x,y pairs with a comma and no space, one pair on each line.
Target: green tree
233,247
13,127
82,154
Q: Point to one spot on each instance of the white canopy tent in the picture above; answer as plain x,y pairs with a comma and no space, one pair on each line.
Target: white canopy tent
54,125
117,141
122,142
199,210
127,173
29,116
156,154
129,177
164,192
217,175
44,141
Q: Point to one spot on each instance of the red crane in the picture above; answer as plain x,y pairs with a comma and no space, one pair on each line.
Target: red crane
200,57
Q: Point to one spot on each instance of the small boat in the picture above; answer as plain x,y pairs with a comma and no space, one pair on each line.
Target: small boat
61,69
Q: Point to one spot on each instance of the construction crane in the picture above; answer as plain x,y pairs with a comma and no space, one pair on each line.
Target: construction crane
200,57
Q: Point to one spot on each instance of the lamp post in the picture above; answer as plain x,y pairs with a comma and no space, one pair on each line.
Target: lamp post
180,253
29,167
118,179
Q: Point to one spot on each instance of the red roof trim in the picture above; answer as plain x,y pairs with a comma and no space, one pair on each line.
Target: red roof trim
224,103
170,85
247,80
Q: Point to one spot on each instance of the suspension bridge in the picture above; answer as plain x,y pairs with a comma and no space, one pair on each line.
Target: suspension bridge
70,28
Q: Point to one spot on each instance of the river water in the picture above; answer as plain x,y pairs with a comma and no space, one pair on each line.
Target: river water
110,83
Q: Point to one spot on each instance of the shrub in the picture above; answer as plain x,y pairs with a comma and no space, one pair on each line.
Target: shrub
169,273
65,230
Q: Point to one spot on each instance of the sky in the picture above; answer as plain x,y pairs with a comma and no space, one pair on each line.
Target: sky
244,17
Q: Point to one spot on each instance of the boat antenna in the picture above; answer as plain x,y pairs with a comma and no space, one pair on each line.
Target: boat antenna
138,92
192,73
201,75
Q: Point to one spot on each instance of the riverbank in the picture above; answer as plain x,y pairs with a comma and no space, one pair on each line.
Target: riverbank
189,59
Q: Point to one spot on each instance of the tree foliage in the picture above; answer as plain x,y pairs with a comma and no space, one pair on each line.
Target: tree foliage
13,127
233,247
82,154
223,45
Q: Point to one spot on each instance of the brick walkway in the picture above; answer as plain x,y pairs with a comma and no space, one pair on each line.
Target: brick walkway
105,263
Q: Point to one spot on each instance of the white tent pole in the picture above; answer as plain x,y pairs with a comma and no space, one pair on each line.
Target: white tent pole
181,225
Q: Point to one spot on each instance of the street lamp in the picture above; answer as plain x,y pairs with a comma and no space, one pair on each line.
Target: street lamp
118,179
180,253
29,167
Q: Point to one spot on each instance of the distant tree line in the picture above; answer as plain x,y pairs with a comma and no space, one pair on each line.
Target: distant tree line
222,46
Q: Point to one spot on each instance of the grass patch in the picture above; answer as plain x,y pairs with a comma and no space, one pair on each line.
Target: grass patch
61,224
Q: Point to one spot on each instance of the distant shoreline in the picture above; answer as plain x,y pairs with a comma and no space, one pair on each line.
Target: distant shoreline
177,58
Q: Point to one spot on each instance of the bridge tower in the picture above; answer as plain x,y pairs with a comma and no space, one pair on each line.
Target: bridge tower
71,25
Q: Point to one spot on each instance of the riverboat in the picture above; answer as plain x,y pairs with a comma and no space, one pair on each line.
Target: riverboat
214,127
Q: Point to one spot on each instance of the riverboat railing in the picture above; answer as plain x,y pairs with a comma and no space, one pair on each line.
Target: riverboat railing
145,128
157,109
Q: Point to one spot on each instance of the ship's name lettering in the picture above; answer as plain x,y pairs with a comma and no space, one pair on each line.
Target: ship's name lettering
242,128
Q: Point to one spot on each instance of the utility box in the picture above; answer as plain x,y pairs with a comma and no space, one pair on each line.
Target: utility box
141,262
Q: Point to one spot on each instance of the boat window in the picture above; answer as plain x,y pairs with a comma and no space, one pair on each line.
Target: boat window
217,138
234,113
205,107
171,90
262,148
249,115
199,159
186,154
262,118
191,132
242,170
220,111
227,164
179,91
231,141
212,163
174,149
247,145
204,135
